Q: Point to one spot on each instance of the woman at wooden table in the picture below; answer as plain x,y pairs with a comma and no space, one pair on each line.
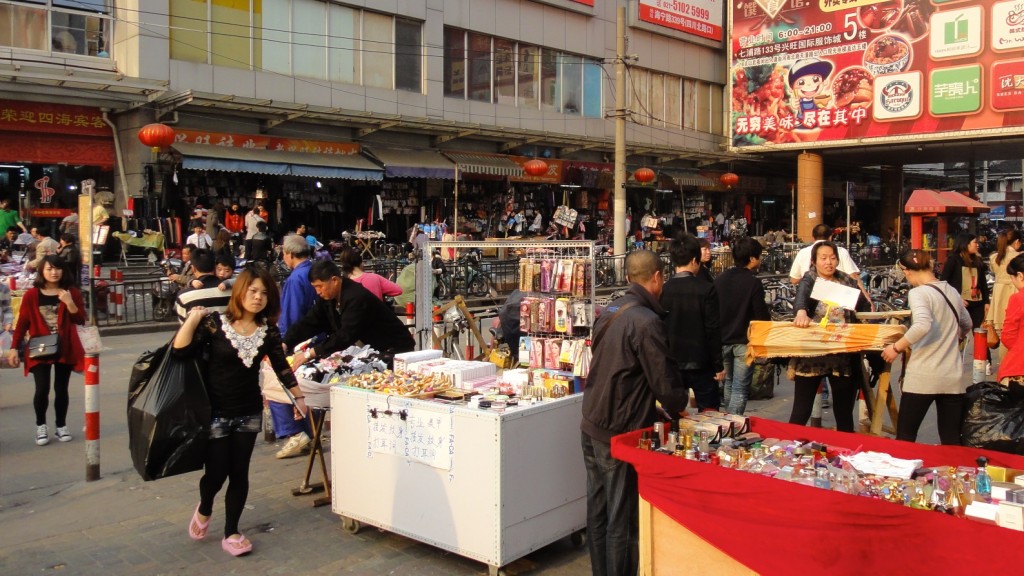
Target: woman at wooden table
934,372
838,368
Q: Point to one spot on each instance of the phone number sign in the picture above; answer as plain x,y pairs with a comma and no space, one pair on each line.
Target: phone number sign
807,72
698,17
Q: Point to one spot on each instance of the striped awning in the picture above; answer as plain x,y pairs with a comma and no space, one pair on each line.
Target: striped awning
480,163
277,162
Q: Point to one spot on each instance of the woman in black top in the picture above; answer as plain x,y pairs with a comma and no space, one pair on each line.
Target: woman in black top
965,271
68,252
232,346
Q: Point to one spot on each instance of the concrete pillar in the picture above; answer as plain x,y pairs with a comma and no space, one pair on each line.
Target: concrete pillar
809,178
892,199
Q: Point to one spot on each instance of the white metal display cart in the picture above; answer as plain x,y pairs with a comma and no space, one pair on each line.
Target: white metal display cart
491,486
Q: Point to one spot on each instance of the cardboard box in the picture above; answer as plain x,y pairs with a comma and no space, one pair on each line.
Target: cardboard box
1011,516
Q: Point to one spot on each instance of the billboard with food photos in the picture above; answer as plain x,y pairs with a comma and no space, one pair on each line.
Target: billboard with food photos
806,73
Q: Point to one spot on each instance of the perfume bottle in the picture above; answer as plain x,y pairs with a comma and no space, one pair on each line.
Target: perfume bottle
645,441
983,482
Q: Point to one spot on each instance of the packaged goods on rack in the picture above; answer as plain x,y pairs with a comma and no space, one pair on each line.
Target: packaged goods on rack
725,440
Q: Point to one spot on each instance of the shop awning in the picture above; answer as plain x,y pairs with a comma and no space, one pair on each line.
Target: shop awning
277,162
933,202
972,205
479,163
403,163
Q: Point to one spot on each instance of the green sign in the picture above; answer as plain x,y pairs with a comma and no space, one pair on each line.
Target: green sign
955,90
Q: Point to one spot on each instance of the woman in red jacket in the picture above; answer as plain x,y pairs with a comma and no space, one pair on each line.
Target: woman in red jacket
52,305
1011,367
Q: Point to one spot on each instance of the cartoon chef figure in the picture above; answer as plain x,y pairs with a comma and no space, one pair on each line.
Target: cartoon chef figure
807,80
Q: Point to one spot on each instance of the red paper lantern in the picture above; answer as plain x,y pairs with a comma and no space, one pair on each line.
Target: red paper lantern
729,179
644,175
156,135
536,167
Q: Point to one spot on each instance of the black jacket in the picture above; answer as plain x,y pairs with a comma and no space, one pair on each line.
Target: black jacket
356,316
952,272
740,300
692,324
631,368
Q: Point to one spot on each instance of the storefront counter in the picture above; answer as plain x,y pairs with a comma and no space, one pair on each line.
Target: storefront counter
708,519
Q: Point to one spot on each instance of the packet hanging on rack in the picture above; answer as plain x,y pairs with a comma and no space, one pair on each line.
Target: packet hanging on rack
552,351
525,321
525,350
526,275
546,271
580,314
562,315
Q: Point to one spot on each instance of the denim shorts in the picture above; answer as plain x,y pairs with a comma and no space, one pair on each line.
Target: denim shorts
221,427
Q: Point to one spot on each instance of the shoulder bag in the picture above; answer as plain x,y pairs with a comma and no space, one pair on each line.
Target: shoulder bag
956,315
43,347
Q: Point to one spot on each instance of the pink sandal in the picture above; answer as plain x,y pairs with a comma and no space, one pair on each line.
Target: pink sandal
197,529
236,545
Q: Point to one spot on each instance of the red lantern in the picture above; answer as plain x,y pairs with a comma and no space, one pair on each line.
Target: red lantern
644,175
156,135
729,179
536,167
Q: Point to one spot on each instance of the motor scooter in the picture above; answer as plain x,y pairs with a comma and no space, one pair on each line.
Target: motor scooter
165,291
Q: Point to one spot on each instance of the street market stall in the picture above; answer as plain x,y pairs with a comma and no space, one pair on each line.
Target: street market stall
930,223
717,520
486,483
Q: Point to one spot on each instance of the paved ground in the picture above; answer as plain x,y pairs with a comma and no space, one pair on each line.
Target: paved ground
53,521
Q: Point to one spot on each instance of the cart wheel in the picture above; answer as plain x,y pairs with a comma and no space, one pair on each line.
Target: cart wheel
578,538
496,571
351,526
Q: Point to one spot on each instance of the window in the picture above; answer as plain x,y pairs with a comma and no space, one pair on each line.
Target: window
592,75
549,87
529,75
717,109
61,26
636,95
230,38
673,101
657,99
454,63
479,61
505,72
309,45
408,55
689,103
274,49
342,53
572,84
703,121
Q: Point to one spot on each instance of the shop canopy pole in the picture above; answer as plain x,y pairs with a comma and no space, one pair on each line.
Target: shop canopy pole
455,219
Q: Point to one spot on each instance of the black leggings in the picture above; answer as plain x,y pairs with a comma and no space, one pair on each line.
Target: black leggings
844,396
949,409
227,459
41,400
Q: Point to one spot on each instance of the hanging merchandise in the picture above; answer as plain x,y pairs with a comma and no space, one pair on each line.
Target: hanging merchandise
565,216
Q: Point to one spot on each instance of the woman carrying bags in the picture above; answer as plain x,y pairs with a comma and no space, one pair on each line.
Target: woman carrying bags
1008,245
934,372
232,345
53,305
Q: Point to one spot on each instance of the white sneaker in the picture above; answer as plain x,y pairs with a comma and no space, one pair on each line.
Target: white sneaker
63,434
42,435
295,446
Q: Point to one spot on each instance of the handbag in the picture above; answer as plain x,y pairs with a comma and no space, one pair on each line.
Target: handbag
992,335
43,347
89,336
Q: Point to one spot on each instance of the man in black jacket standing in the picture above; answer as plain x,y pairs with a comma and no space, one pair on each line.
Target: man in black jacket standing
347,313
631,369
741,299
692,323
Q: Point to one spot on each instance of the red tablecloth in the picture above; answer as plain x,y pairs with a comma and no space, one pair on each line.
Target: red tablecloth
778,527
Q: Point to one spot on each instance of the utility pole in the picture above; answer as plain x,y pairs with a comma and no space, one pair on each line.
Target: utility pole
620,232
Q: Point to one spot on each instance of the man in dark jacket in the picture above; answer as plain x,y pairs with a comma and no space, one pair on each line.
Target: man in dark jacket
692,323
630,370
347,313
740,300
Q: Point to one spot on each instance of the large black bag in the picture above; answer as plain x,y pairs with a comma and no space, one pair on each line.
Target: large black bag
168,415
995,417
762,382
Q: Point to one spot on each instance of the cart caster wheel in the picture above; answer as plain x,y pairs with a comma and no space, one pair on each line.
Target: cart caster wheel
351,526
578,538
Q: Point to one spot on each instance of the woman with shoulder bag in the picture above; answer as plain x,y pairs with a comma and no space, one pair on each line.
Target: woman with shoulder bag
839,368
934,372
233,344
965,272
1008,246
53,306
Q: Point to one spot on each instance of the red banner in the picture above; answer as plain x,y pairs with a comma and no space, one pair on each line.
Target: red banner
50,212
265,142
827,71
16,115
56,149
552,176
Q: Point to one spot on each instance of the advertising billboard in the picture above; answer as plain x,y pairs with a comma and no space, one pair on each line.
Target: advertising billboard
698,17
807,73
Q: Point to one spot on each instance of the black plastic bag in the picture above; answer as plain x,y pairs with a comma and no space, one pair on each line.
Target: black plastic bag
994,417
168,415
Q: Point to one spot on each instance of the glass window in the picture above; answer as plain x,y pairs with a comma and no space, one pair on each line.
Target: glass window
703,122
309,39
189,25
378,57
673,101
342,53
230,38
592,75
572,84
479,56
657,99
529,75
636,85
549,86
454,63
689,103
276,43
95,6
717,109
408,55
505,72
